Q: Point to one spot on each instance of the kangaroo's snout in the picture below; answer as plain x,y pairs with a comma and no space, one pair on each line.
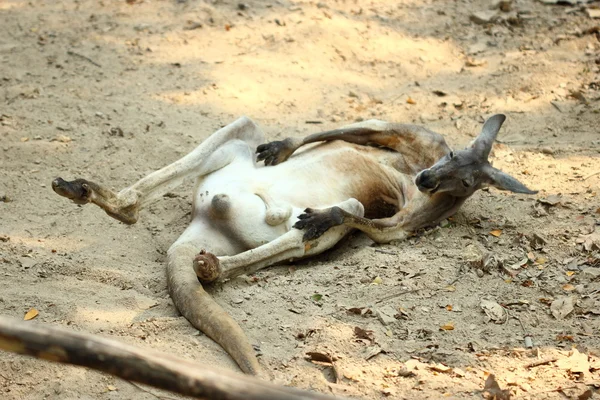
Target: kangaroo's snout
426,182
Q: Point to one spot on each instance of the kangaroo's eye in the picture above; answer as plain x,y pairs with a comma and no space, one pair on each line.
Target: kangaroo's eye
465,183
451,154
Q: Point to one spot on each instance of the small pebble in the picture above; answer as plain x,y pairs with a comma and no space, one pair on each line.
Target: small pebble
483,17
547,150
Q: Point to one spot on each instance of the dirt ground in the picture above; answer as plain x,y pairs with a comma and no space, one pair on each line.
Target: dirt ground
112,90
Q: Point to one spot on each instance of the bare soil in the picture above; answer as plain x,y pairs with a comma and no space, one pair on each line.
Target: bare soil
112,90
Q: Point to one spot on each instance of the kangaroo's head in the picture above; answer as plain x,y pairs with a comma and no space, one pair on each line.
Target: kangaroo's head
461,173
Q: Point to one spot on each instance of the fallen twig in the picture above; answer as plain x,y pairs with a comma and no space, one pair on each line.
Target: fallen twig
146,366
590,175
559,389
402,293
541,362
72,53
392,253
556,106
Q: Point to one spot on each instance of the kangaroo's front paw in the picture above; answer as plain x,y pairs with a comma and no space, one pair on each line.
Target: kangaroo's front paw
275,152
316,222
207,267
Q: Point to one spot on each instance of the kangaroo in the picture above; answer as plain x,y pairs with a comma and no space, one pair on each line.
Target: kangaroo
384,179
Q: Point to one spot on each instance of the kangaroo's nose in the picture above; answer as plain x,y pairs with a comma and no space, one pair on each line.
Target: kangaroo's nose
425,180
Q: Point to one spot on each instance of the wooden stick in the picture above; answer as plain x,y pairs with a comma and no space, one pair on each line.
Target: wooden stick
541,362
72,53
590,175
141,365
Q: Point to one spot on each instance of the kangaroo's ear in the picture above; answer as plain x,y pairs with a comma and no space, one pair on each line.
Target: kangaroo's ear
503,181
483,144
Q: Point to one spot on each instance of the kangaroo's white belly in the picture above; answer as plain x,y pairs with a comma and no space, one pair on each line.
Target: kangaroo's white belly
253,204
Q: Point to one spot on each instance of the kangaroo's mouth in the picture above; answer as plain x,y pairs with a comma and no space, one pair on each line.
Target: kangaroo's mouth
434,189
426,186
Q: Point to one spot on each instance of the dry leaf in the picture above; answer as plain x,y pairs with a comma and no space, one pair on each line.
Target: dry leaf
551,200
351,377
377,281
320,357
355,310
537,241
494,311
527,283
576,363
568,287
522,263
450,288
492,390
592,12
447,326
440,368
111,388
561,307
31,314
327,360
586,395
565,338
496,232
364,334
372,351
570,273
471,62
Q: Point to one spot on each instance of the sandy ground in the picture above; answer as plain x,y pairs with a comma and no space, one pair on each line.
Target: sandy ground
111,91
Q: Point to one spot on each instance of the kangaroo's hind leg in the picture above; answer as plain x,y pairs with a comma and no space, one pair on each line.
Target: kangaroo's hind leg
216,152
125,205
